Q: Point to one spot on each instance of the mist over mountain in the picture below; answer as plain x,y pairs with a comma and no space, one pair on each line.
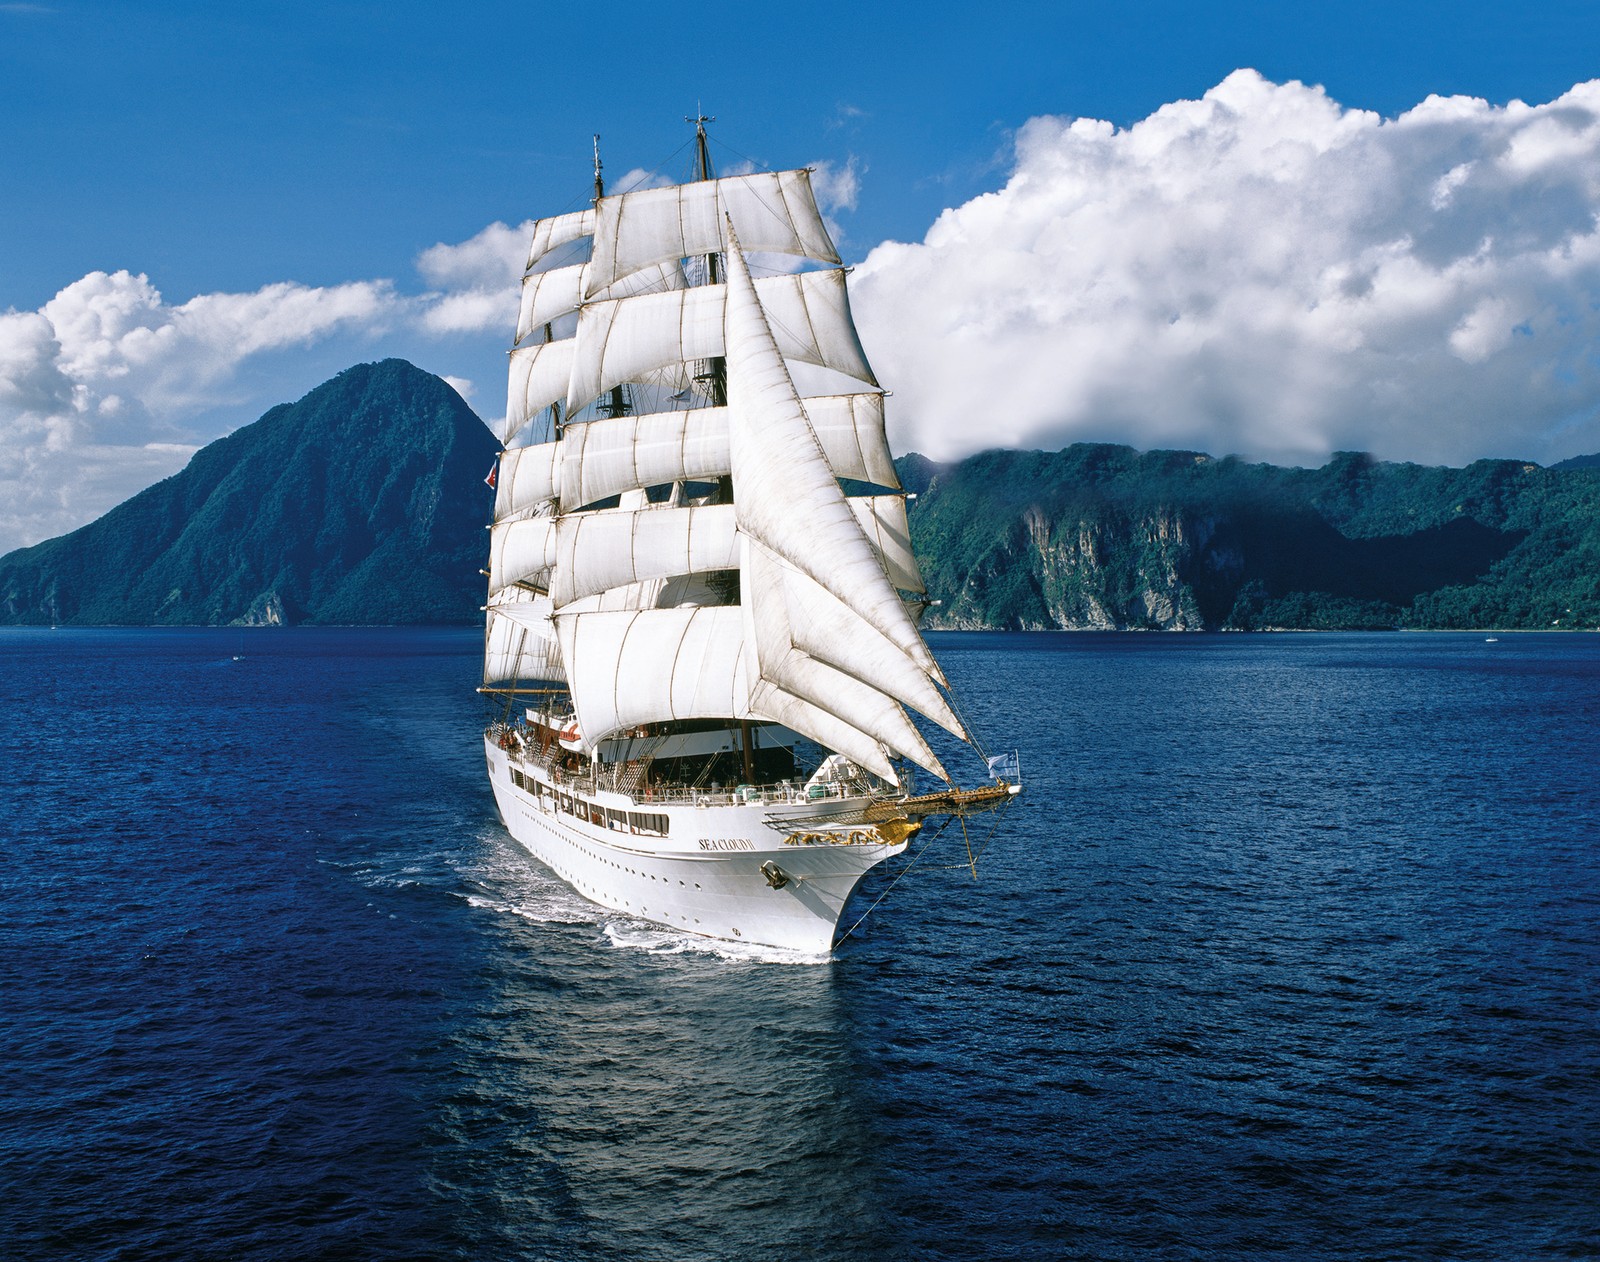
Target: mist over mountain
363,503
1105,537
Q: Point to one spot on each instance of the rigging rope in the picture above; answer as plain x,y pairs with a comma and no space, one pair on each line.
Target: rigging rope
971,864
916,859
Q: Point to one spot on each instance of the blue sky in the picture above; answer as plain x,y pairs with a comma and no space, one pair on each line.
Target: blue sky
230,151
224,146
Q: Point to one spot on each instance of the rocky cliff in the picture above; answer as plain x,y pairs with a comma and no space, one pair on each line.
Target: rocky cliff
1106,538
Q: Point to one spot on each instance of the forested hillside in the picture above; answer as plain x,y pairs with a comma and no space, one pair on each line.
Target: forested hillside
363,503
1102,536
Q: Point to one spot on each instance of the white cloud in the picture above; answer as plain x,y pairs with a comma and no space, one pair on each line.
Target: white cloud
837,187
638,178
480,262
476,281
1261,271
96,387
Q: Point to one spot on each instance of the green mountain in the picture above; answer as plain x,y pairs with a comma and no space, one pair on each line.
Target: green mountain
1101,536
363,503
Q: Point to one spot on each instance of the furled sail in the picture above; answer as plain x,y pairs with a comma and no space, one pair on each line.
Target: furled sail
774,212
785,494
623,339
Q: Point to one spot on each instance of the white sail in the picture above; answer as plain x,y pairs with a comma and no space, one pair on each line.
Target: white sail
727,590
519,641
653,666
547,296
663,665
882,519
604,457
774,212
556,231
823,626
521,551
782,662
850,429
607,456
597,551
771,703
540,373
623,339
525,479
784,492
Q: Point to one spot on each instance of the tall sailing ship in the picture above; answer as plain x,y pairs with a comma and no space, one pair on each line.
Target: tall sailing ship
701,632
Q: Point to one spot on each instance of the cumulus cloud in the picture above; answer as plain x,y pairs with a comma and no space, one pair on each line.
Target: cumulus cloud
837,187
1262,271
475,281
96,385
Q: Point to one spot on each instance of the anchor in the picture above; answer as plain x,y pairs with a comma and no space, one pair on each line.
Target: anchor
776,876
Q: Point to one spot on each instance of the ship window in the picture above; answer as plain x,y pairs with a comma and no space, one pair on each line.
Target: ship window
651,824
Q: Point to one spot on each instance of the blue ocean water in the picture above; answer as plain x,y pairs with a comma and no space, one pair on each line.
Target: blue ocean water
1290,949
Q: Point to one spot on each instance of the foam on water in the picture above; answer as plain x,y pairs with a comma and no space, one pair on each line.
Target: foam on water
637,935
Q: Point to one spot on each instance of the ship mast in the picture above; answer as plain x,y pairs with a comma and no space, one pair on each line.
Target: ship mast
715,376
615,404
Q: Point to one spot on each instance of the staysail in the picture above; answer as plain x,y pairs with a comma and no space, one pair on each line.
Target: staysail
733,579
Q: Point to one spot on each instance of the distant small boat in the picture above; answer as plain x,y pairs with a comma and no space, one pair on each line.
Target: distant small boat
1493,639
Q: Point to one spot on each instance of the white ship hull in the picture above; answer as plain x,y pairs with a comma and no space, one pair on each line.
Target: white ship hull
706,864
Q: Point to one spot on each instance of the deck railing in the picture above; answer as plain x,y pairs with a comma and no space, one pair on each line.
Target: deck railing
624,777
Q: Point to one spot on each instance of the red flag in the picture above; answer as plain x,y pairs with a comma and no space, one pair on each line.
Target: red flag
489,481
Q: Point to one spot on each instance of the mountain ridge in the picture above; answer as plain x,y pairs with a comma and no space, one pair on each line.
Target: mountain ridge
1100,536
361,503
